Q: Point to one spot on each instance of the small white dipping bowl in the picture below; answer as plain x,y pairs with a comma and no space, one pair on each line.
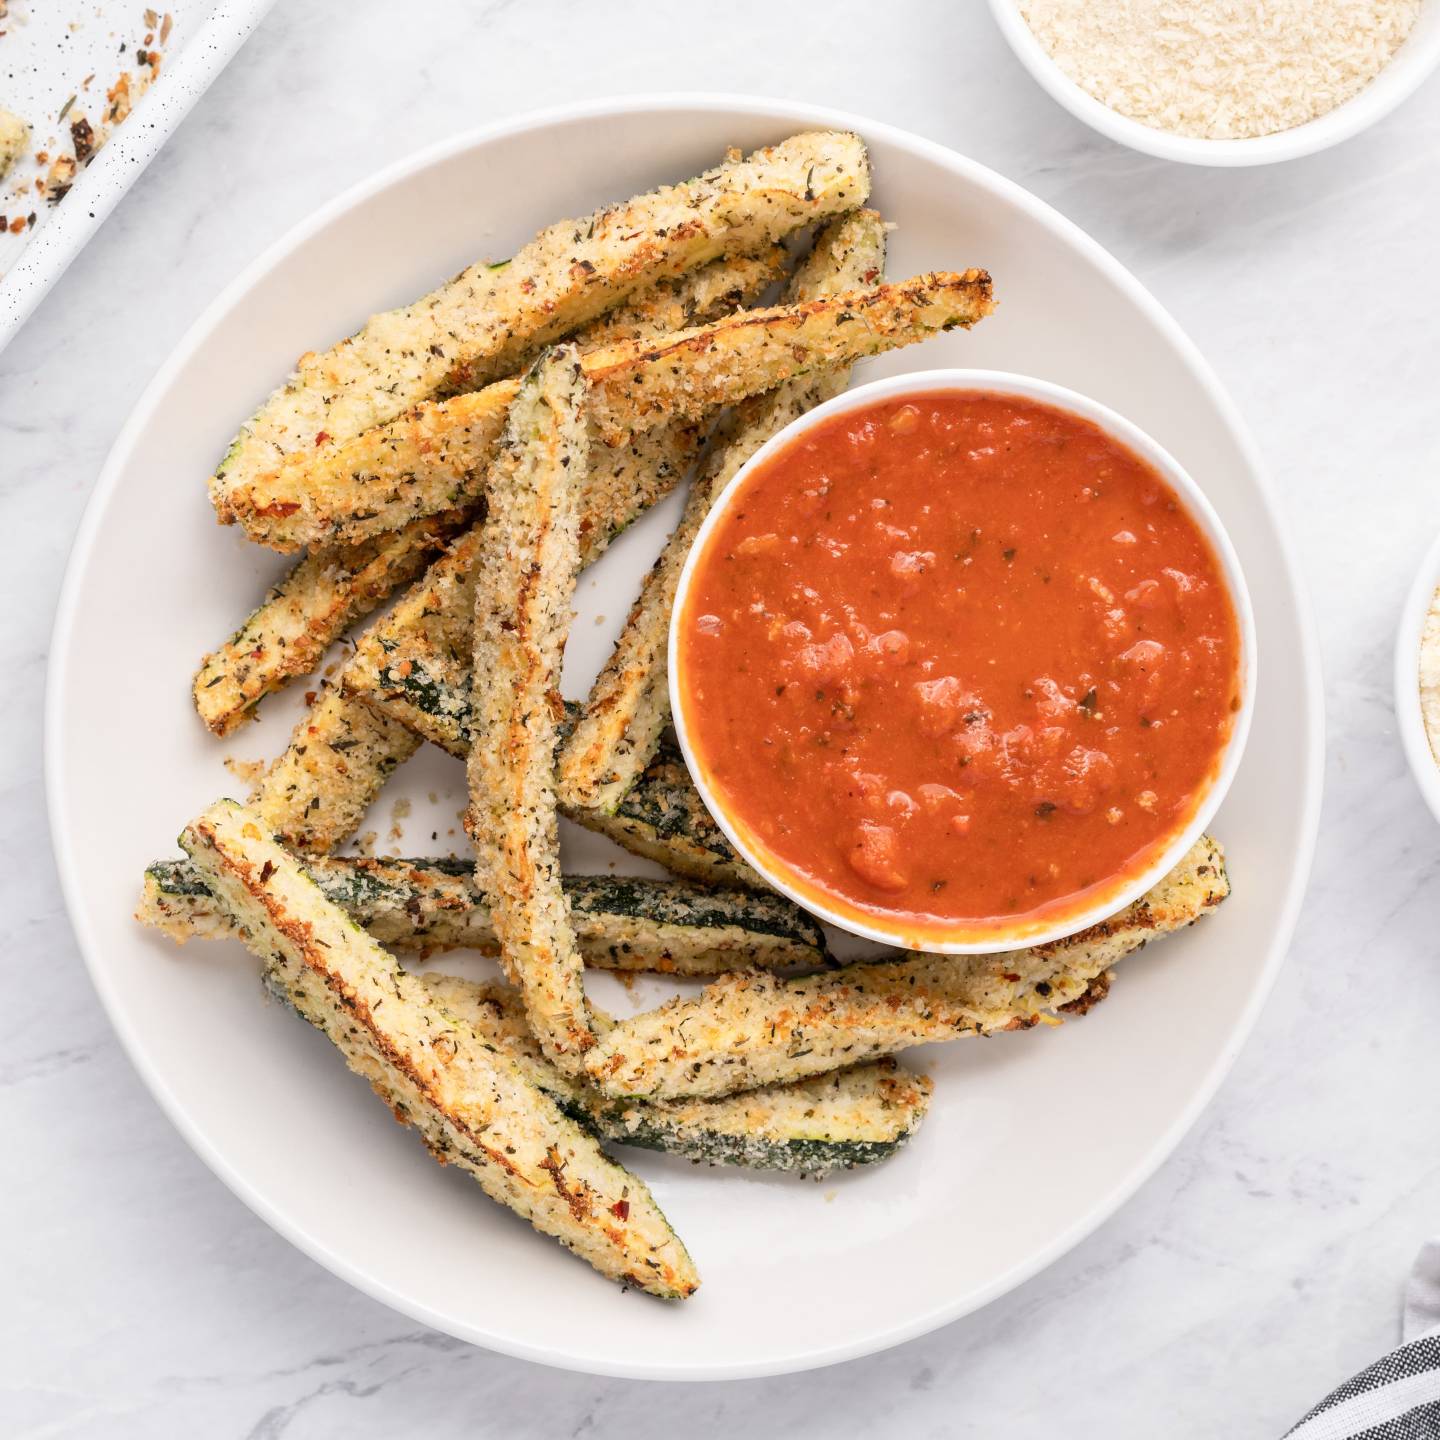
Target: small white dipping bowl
1416,59
1407,680
995,382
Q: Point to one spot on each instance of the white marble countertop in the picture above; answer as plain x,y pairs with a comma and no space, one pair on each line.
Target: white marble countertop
1261,1265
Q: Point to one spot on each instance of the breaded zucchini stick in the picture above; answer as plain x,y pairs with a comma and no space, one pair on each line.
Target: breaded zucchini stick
525,569
330,589
473,1107
317,800
428,905
677,302
852,1117
414,665
316,794
638,385
432,457
290,630
491,318
663,819
418,657
749,1030
629,704
417,673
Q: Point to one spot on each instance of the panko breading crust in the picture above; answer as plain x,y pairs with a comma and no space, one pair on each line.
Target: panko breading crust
749,1030
525,568
629,703
428,905
432,457
473,1107
850,1117
340,755
490,319
333,587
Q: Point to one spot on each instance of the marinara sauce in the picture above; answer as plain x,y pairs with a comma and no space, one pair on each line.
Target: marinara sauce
956,659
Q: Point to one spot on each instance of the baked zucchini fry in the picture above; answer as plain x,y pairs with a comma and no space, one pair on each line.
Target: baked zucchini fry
676,302
420,677
852,1117
525,569
434,904
331,589
622,482
662,818
490,319
754,1029
472,1106
432,457
638,385
290,630
316,794
629,703
415,664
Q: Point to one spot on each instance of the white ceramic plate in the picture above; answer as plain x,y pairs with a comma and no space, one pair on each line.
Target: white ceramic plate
1001,1181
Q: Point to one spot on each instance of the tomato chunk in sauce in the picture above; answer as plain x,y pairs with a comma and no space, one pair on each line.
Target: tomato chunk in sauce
961,658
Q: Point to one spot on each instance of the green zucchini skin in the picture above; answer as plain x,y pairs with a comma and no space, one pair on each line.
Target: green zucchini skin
805,1157
717,1145
753,1029
434,904
471,1105
661,817
852,1117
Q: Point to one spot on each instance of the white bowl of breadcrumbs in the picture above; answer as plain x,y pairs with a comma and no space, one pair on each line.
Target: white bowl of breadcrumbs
1226,82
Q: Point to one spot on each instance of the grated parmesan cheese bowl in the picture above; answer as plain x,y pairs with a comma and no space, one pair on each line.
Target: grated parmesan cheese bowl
1417,657
1412,64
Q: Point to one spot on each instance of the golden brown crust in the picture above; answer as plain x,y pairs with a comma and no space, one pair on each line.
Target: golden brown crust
629,704
748,1030
492,318
1095,992
524,578
289,632
432,458
332,588
854,1116
341,752
633,385
472,1106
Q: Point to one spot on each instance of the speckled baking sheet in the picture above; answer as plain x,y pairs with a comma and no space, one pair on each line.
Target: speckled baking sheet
101,84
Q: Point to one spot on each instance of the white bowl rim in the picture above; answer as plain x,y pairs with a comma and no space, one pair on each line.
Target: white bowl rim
1389,89
996,382
1408,715
56,704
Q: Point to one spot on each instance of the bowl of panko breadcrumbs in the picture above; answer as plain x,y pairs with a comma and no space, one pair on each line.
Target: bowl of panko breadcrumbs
1225,82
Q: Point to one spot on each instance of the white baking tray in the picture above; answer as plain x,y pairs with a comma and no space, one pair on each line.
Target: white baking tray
48,50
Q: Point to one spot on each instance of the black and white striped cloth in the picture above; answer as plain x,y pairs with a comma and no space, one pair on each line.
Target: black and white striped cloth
1398,1397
